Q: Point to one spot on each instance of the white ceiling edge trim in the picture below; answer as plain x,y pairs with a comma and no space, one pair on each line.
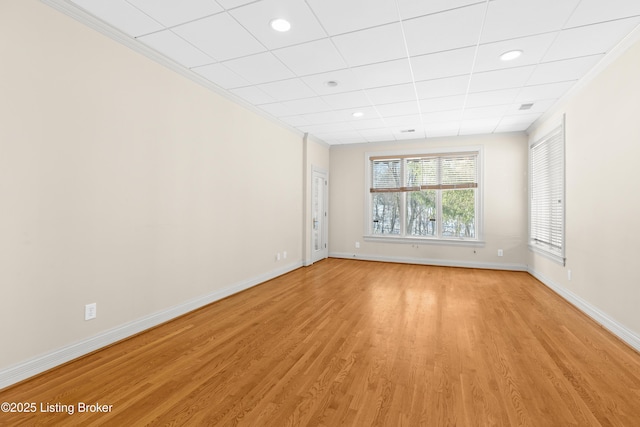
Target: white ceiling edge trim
318,141
463,140
94,23
616,52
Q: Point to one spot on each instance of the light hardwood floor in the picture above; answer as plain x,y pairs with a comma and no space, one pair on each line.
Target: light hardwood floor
358,343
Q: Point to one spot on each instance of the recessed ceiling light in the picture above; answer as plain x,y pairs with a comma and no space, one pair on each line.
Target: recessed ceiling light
511,55
331,83
280,24
358,114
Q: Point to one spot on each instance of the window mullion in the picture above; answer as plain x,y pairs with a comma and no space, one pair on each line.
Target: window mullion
403,198
439,224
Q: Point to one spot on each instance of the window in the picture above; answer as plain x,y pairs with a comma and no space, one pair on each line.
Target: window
546,195
432,196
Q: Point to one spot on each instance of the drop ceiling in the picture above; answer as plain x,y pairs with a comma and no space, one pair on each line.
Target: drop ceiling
409,68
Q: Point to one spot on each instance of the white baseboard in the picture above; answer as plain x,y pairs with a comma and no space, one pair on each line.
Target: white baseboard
427,261
37,365
626,335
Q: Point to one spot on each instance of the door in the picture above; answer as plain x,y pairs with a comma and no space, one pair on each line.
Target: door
319,200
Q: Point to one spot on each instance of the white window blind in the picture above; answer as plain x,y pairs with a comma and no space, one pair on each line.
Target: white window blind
386,175
547,201
424,173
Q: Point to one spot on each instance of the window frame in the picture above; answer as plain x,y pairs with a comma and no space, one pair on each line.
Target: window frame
438,240
536,245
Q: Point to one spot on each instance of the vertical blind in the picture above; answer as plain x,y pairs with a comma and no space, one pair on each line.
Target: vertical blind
547,204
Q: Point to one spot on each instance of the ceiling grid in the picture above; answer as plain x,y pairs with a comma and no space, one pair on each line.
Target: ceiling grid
354,71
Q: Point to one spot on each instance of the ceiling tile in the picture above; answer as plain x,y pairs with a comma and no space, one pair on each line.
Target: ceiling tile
442,117
442,87
121,15
383,73
516,123
327,128
347,100
442,129
286,90
170,12
306,106
558,71
500,79
260,68
377,135
408,121
349,137
520,18
230,4
539,106
545,91
253,95
398,109
445,103
533,49
592,11
406,133
220,36
367,124
339,16
377,44
311,58
326,117
278,110
346,79
176,48
491,112
412,8
453,29
589,40
339,116
221,75
477,127
391,94
295,120
443,64
495,97
256,17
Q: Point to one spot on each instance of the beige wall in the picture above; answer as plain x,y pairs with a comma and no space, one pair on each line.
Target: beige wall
603,197
505,204
125,184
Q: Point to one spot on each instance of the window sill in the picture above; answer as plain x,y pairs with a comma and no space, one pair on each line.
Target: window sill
423,241
547,254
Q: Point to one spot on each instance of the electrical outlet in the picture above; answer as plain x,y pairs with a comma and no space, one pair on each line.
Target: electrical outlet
90,311
357,245
569,275
278,256
500,253
284,254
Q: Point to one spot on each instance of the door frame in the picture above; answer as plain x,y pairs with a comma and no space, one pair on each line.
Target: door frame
324,253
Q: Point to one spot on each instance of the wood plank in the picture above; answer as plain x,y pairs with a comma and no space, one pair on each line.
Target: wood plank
357,343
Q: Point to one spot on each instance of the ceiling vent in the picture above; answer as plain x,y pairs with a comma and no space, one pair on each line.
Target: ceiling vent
407,130
526,106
